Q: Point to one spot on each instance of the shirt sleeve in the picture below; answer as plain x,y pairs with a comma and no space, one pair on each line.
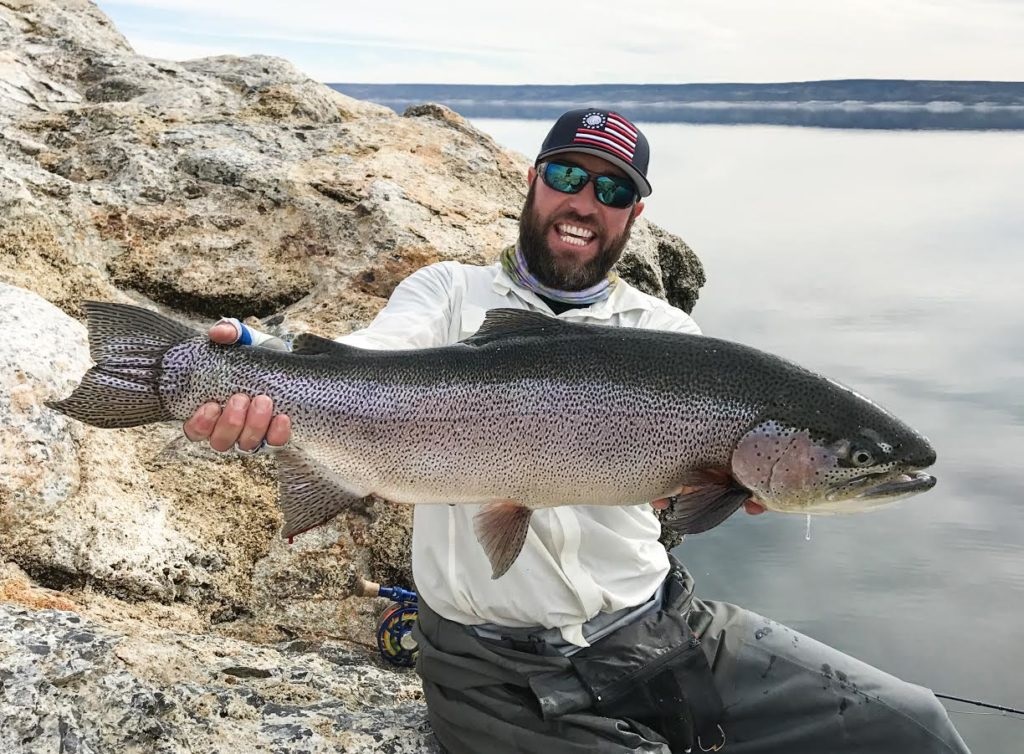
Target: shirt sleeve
669,318
418,314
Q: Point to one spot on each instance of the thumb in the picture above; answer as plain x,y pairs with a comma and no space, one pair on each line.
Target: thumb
224,333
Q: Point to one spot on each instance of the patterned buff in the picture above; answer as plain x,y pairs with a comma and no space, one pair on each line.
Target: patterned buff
514,264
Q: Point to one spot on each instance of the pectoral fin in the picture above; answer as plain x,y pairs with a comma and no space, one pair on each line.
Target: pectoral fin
707,498
501,529
310,494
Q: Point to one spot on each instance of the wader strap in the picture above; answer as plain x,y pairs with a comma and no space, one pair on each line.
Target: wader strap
674,695
654,671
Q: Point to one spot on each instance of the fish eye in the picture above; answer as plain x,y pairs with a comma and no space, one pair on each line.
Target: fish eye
861,457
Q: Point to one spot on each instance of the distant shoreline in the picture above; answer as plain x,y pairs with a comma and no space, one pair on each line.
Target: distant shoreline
854,103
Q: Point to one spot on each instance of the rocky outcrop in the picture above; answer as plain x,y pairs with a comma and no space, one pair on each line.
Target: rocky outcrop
216,186
238,184
103,682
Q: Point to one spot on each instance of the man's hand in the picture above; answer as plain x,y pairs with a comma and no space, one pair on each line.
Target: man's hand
242,422
750,505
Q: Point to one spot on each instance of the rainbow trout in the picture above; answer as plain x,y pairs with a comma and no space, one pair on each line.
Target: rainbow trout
529,412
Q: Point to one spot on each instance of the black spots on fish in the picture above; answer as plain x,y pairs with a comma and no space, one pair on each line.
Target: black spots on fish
842,677
789,466
762,632
843,704
771,663
826,670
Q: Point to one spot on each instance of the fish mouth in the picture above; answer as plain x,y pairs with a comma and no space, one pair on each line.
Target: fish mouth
878,487
904,484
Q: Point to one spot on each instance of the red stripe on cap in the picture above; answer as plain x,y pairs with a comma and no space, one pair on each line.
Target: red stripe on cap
614,119
619,139
602,140
612,128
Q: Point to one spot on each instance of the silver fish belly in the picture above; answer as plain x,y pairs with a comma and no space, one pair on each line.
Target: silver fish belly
530,412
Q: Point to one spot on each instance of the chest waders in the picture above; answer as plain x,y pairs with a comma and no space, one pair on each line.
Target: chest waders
654,672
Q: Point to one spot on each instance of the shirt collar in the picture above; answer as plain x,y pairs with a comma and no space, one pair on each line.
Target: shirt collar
623,298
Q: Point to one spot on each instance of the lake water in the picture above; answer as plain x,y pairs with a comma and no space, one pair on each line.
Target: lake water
893,262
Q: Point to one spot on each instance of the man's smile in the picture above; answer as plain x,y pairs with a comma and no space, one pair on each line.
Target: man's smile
574,235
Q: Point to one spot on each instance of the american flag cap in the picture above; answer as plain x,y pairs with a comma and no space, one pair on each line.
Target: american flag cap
605,134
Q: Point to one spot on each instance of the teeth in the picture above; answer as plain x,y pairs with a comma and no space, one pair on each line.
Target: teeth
575,235
575,230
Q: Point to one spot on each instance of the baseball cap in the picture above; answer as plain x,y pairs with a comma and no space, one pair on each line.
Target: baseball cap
605,134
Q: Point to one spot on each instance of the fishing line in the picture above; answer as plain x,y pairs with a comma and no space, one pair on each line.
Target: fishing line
975,702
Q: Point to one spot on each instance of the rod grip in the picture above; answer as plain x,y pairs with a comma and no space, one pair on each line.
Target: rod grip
366,588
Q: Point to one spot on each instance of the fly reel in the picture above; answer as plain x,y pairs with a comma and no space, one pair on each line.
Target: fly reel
394,626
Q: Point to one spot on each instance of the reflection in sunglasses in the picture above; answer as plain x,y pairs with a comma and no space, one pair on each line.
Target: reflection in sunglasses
611,190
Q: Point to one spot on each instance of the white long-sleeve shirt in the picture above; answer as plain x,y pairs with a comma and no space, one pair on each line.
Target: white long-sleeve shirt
577,560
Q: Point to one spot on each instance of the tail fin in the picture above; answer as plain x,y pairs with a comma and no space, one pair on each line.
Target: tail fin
128,344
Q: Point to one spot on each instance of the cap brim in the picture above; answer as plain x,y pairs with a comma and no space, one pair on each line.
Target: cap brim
643,186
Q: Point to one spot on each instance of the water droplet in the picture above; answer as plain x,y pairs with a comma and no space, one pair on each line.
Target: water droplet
807,533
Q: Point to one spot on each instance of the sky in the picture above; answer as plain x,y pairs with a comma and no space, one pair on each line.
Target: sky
546,42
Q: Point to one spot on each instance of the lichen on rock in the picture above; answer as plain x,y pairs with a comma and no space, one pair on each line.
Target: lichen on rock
140,569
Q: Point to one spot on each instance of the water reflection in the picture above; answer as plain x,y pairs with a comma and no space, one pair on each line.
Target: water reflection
894,263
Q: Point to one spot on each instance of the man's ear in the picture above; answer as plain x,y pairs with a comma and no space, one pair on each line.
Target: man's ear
638,209
530,175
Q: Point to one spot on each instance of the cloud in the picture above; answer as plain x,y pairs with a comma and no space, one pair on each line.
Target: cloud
652,41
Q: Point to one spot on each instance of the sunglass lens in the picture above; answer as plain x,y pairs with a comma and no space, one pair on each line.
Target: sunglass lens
614,192
568,179
611,191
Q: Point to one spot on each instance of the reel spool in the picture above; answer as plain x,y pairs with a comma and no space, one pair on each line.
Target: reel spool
394,635
394,627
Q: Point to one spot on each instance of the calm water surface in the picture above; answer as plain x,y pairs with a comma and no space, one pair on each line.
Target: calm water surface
893,262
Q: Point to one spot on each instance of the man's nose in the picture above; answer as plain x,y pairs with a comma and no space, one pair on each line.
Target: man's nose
584,202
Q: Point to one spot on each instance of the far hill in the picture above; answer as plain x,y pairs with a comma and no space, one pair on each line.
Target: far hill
850,103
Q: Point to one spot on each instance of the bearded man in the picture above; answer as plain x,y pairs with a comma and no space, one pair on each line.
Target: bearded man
593,640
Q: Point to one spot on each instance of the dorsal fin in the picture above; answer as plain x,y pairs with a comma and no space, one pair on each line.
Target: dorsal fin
308,344
500,324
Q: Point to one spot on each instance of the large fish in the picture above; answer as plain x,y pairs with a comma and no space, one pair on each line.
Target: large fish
529,412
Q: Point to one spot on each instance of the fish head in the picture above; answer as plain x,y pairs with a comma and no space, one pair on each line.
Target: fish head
837,454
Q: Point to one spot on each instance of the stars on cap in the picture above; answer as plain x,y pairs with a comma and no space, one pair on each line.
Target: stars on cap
608,131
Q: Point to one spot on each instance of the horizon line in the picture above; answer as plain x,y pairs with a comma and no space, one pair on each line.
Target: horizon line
693,83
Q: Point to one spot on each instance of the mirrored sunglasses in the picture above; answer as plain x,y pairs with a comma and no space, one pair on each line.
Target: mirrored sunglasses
611,190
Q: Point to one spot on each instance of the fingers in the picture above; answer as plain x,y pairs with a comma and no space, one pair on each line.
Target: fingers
230,424
223,332
201,423
753,507
241,423
261,424
280,431
255,423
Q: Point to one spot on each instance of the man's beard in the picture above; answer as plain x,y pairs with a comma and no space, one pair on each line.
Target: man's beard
558,274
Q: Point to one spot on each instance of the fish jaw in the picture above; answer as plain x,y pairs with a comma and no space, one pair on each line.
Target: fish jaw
871,491
795,470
